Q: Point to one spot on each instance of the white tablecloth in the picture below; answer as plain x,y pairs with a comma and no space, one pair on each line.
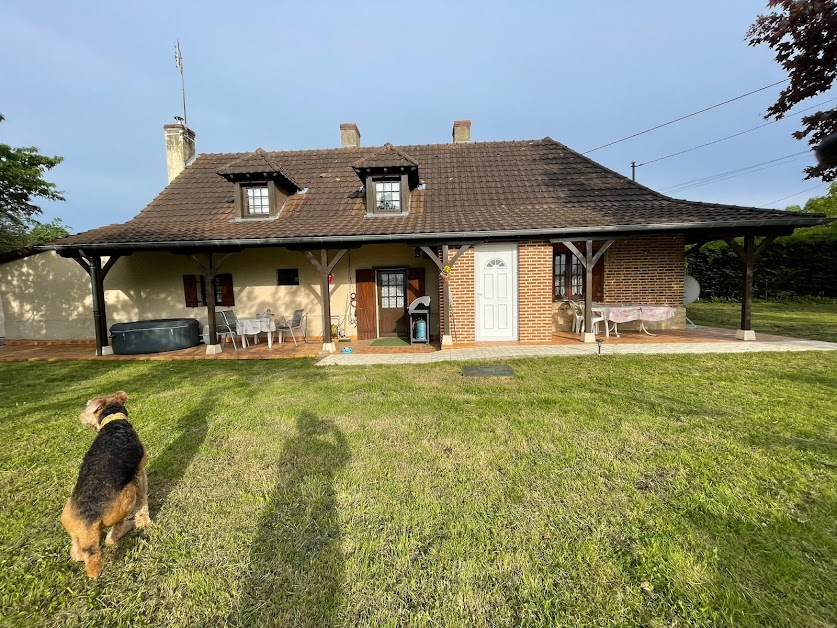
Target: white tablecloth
250,326
625,313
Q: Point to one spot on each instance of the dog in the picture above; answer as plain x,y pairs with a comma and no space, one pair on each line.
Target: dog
111,489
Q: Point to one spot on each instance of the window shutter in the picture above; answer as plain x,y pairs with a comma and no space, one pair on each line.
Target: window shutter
190,290
224,285
366,311
598,280
415,284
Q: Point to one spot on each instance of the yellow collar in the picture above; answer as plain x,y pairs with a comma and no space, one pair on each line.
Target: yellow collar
113,417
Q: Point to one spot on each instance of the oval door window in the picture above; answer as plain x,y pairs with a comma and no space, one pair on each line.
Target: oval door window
495,263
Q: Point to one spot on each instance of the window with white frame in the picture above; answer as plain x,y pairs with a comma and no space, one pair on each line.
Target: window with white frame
388,195
257,200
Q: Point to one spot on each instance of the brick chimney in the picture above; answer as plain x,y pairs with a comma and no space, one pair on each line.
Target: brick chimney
461,131
349,135
180,148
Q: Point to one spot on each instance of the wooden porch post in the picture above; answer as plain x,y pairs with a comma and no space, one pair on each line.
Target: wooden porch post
589,336
96,284
447,337
92,265
588,261
748,254
328,342
208,272
747,293
325,267
209,281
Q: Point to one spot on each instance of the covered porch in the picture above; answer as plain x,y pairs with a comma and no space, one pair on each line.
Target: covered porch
696,340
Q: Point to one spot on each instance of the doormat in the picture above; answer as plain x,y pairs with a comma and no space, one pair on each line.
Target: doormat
488,370
389,342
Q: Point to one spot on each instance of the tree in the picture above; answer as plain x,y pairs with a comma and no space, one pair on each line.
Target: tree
824,204
16,235
47,232
803,34
22,180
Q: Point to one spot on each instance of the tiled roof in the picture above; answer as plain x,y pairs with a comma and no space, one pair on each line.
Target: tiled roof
257,162
537,187
389,157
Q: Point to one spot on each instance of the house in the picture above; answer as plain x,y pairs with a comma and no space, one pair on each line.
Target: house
500,234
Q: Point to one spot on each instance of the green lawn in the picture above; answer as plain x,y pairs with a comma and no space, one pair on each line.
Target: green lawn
611,491
816,321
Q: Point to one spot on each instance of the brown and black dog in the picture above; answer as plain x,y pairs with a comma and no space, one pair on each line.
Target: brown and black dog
111,486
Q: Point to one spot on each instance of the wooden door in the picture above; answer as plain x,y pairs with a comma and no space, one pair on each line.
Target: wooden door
392,303
367,328
415,284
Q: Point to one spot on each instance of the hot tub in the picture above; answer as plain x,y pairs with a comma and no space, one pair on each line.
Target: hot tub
154,336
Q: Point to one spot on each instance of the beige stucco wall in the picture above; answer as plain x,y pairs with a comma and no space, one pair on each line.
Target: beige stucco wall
46,296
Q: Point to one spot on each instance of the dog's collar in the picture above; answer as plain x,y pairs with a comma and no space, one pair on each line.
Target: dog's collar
113,417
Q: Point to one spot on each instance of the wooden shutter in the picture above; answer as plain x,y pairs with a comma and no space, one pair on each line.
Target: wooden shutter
415,284
598,280
190,290
366,311
224,286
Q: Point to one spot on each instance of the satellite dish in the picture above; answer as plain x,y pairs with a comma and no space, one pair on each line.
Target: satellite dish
691,290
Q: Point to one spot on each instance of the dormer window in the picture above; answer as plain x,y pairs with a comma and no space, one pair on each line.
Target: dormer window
388,195
258,200
260,185
389,177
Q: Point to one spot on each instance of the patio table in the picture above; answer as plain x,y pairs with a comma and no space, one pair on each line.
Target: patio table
625,313
250,326
255,326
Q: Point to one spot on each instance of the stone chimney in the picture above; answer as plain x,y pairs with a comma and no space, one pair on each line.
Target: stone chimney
180,148
349,135
461,131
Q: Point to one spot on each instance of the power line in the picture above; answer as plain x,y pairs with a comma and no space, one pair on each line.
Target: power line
729,137
723,176
741,174
659,126
797,193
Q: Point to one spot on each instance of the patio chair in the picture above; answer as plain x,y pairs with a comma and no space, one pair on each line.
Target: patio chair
578,318
225,325
294,324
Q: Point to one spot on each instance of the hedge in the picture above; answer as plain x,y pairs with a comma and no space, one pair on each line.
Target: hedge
794,266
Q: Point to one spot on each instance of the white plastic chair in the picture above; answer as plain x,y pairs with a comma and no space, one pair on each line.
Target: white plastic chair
597,316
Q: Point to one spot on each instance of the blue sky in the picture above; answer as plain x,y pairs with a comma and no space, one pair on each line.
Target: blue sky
95,82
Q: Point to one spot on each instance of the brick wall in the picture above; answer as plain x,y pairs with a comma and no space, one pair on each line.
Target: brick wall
534,260
462,297
646,269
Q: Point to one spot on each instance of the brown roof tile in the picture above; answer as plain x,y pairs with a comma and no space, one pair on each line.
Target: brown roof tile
470,188
256,162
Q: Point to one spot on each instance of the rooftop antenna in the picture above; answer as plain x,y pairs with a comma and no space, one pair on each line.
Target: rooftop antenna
178,61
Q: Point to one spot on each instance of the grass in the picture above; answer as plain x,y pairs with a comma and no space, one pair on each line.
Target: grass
815,321
614,491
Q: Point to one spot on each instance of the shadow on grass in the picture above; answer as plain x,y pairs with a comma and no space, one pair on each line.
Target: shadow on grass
296,566
167,468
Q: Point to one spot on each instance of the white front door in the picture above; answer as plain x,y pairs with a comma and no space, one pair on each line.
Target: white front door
496,287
